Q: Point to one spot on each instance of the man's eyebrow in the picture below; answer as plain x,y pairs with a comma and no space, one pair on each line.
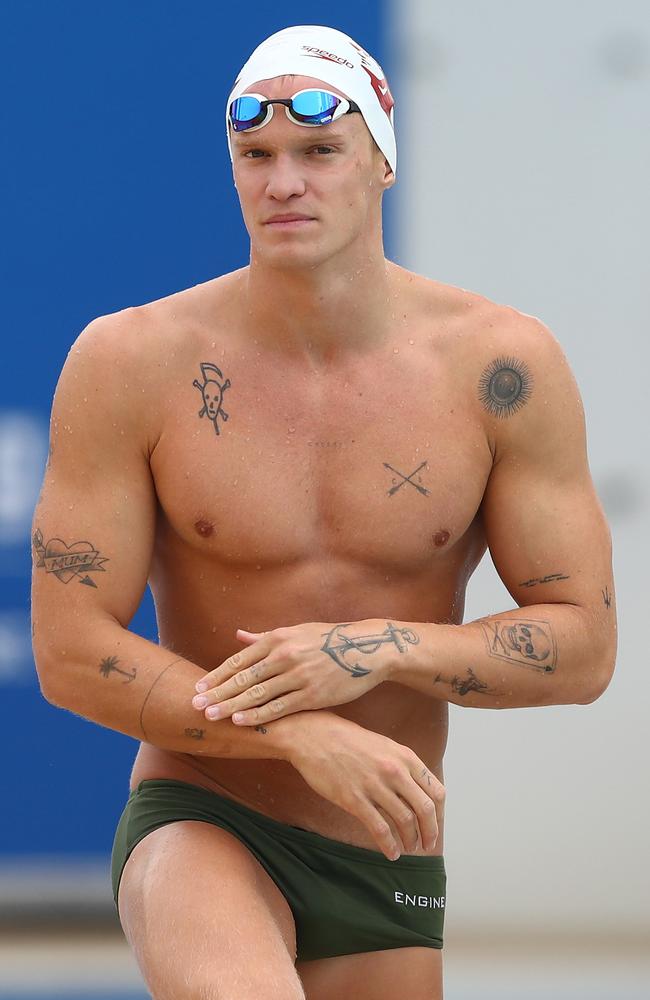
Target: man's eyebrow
323,136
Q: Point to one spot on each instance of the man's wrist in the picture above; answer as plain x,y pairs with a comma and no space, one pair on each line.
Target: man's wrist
288,735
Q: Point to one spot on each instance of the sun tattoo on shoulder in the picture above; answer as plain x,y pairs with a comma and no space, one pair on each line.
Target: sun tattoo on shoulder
505,386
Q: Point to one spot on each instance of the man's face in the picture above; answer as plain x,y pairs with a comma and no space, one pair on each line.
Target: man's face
332,176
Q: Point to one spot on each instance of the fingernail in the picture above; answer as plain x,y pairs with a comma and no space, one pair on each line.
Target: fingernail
199,701
394,856
200,686
238,717
214,712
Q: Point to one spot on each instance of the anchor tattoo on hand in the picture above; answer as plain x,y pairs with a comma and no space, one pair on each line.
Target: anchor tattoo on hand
337,644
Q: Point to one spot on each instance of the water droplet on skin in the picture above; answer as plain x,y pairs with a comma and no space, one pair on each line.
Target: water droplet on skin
258,566
396,350
214,628
410,341
213,344
85,399
292,430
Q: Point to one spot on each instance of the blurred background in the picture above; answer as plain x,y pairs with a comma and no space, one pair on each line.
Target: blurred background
524,140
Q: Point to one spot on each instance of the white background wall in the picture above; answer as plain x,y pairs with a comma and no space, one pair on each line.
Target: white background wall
524,173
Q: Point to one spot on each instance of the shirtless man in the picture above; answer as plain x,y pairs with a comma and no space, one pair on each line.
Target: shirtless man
307,459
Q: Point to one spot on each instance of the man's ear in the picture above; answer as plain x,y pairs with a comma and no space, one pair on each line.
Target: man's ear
389,176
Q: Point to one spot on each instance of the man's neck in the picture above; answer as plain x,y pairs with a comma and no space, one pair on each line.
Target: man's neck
320,314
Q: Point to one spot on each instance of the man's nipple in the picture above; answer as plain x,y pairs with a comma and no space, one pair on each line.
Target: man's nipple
203,527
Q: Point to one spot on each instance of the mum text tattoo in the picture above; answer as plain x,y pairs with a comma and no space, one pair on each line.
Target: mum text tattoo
109,665
530,643
212,389
338,645
407,479
550,578
68,561
505,386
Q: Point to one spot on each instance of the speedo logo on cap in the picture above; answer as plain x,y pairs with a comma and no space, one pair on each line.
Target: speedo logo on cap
311,50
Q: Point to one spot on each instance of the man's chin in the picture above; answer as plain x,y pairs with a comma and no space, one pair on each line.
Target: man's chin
292,256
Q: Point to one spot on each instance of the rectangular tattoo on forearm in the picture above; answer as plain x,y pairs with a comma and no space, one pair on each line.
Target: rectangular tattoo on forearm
527,642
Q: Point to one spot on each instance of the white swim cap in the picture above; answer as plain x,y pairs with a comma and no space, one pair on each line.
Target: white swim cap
333,57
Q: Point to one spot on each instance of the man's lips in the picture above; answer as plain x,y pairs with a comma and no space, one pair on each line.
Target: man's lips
288,217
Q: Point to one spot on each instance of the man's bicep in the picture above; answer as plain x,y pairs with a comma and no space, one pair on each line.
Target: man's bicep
93,526
545,527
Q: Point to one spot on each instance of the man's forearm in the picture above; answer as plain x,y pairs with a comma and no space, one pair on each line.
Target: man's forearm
126,683
547,654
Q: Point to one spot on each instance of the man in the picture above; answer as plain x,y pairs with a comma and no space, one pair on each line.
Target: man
307,459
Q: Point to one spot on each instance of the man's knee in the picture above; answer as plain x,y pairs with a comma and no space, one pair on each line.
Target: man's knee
216,986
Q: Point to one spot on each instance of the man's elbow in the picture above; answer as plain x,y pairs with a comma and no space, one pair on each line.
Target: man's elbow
597,681
51,673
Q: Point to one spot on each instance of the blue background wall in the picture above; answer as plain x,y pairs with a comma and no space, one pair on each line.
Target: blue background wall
116,189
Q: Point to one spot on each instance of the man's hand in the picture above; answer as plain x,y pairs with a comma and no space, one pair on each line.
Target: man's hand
378,781
308,666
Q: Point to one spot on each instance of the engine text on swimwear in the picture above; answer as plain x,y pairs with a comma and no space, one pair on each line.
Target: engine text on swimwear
435,902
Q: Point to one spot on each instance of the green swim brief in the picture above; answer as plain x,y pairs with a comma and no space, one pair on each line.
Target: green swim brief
344,899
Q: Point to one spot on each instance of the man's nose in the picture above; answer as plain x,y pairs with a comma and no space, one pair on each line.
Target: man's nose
285,179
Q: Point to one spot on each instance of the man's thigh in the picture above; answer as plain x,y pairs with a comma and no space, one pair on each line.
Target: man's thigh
395,974
204,919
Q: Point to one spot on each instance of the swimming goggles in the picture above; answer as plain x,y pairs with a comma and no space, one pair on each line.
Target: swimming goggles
307,107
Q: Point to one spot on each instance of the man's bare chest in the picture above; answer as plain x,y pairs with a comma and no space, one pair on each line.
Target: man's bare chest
381,464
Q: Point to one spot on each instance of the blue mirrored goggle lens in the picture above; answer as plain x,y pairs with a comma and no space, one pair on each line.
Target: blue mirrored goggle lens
245,112
315,105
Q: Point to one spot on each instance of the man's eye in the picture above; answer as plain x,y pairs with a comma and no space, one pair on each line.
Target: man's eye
323,149
254,154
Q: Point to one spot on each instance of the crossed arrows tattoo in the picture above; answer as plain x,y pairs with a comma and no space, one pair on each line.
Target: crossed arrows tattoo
407,479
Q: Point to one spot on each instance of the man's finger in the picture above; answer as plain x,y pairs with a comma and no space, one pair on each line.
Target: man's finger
257,695
283,705
237,684
240,660
248,637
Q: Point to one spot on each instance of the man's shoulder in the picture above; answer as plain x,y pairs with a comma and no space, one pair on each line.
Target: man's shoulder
475,325
140,335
